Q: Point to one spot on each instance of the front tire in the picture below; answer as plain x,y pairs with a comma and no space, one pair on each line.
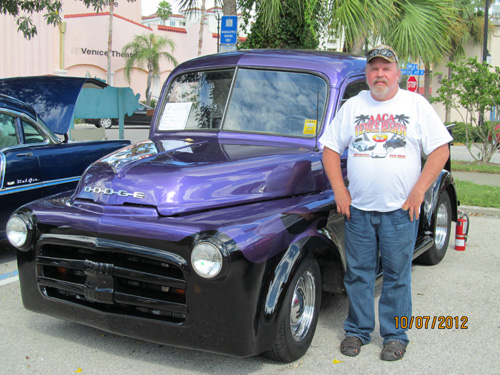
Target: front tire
441,225
299,314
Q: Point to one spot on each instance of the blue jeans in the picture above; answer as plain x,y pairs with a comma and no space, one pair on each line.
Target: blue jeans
393,236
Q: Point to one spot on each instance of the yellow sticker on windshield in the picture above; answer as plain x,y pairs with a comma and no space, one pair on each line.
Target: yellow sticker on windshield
310,127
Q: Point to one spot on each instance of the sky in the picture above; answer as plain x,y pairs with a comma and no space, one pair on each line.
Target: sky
149,6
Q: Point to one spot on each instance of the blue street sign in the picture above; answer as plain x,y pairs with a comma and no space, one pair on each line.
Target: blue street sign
229,30
410,66
412,72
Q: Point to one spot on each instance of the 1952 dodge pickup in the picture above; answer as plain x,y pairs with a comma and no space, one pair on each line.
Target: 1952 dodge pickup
219,233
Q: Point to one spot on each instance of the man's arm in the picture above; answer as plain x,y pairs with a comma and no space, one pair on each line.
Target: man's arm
331,163
433,166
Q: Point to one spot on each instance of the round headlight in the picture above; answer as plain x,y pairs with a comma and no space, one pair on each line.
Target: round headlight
18,231
206,259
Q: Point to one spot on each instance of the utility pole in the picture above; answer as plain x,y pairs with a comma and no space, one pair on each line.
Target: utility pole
217,17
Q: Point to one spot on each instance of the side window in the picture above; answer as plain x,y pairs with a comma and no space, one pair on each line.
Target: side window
8,135
353,89
32,134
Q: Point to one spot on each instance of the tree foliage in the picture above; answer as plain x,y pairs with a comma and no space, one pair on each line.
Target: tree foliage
296,25
421,29
22,10
147,51
475,88
164,10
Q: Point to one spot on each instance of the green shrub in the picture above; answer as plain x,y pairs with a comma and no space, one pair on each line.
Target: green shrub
152,104
458,132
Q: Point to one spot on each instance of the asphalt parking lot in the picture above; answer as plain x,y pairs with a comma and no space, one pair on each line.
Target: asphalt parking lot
464,287
461,293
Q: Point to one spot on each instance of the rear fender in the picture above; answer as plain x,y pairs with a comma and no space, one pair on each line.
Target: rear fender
444,183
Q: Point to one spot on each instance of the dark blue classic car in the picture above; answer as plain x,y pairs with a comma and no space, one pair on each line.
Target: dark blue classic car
34,161
220,232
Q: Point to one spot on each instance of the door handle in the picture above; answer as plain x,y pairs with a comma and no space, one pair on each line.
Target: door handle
28,154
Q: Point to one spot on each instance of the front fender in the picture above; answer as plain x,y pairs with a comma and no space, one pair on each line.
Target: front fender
280,278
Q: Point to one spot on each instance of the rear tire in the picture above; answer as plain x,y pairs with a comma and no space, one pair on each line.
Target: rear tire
299,314
441,229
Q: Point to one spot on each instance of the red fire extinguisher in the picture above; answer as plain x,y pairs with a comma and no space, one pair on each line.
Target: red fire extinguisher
461,230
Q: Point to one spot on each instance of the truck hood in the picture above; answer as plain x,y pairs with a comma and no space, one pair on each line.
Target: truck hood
178,176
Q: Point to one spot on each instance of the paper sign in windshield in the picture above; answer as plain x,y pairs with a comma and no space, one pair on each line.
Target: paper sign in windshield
175,116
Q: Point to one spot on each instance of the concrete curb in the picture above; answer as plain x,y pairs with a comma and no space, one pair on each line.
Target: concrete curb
474,210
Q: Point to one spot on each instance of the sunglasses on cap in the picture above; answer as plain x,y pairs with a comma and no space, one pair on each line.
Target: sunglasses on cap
384,53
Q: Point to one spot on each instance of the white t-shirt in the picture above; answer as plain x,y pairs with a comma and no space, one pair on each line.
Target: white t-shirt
384,141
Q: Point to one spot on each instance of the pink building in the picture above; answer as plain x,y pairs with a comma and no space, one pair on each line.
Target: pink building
78,47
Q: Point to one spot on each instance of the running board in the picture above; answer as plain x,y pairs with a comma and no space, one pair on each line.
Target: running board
423,244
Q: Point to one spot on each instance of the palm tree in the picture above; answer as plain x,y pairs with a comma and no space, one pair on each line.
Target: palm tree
228,8
469,30
147,50
420,31
355,19
416,29
110,41
164,10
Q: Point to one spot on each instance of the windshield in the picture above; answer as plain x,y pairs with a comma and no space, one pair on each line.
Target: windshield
262,101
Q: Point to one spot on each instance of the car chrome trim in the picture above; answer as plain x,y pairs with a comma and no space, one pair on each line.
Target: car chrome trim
3,163
108,191
19,188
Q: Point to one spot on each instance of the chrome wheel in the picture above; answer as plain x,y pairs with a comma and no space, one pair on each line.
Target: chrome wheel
106,123
303,304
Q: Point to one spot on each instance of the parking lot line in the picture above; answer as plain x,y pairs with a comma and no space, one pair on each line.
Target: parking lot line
9,277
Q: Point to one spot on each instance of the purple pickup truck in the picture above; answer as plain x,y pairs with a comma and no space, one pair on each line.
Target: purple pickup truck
220,232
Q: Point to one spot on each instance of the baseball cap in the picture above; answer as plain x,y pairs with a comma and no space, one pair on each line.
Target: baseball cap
382,51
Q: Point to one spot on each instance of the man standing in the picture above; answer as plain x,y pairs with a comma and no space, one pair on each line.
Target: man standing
382,201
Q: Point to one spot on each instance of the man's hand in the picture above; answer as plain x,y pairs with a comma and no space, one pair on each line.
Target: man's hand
413,203
343,201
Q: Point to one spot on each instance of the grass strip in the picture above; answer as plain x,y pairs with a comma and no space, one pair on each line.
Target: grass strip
471,194
467,166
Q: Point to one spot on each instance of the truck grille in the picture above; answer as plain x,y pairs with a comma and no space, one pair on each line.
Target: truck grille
113,277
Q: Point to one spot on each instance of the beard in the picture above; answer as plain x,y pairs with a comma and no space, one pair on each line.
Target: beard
379,91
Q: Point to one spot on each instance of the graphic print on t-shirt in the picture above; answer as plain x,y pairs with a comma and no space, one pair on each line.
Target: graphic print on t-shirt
380,135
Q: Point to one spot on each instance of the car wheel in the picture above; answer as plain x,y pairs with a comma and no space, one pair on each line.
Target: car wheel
299,314
105,123
441,225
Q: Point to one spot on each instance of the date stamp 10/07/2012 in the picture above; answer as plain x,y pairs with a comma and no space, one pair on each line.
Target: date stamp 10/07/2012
431,322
